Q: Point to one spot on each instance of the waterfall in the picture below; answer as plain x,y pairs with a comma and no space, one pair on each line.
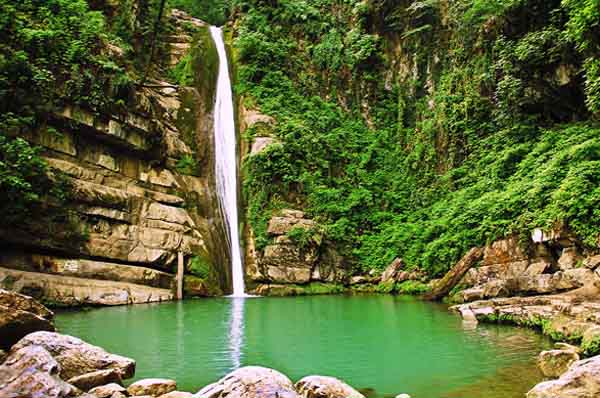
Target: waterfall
226,161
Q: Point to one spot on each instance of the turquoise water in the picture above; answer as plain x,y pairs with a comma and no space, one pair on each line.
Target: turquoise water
383,345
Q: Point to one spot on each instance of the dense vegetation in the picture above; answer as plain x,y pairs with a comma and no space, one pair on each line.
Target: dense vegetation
422,128
405,128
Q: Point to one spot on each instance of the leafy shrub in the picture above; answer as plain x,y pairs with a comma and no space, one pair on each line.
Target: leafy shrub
200,267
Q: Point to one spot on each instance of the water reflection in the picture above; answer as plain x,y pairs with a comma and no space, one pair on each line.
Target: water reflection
236,331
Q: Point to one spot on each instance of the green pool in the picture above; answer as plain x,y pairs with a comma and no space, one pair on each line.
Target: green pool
383,345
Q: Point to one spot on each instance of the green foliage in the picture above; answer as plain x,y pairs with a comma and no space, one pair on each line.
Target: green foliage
34,197
200,267
53,50
591,347
583,29
187,165
303,237
412,288
183,73
492,138
311,289
24,181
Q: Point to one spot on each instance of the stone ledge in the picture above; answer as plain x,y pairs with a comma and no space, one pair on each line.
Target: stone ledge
131,133
89,269
70,291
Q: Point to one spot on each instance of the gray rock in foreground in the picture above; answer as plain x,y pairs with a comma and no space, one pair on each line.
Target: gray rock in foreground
323,386
77,357
251,382
31,372
582,380
153,387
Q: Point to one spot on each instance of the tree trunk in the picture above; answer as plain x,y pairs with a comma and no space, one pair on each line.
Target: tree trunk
451,279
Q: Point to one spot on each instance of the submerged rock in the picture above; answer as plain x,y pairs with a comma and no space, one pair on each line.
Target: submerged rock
153,387
77,357
251,382
582,380
325,387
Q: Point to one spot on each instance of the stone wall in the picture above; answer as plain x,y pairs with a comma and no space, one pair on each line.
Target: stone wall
136,207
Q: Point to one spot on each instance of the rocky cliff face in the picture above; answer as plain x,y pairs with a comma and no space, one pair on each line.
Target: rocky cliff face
142,191
294,260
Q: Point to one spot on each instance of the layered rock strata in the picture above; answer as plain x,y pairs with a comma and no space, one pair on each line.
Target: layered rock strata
138,202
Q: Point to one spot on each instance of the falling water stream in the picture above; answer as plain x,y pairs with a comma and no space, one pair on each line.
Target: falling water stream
226,161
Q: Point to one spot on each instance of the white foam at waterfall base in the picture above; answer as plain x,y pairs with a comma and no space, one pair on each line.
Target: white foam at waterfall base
226,161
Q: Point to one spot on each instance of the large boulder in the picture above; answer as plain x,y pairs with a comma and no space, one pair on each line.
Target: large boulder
504,251
582,380
251,382
90,380
153,387
325,387
31,372
554,363
16,323
77,357
569,258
